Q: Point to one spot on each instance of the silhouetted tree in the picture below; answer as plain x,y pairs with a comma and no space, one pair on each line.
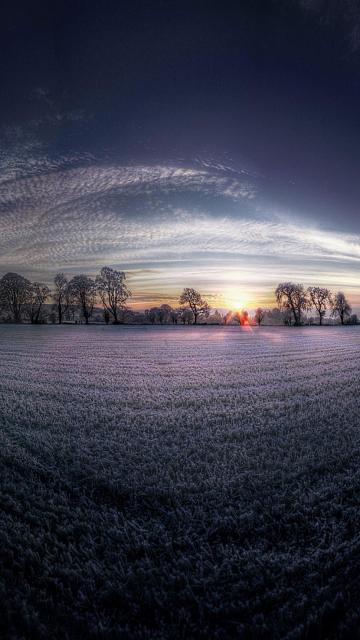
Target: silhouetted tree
15,291
244,318
174,315
259,315
195,302
83,291
320,298
106,316
292,297
37,297
187,316
61,296
152,314
215,318
164,313
340,307
113,292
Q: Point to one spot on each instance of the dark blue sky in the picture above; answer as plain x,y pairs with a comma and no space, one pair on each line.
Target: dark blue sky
129,127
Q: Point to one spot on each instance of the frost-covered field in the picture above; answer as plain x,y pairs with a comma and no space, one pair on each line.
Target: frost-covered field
179,482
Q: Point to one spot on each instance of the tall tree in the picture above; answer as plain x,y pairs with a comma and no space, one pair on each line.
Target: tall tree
320,298
340,307
83,291
38,295
15,291
196,303
113,291
61,296
292,297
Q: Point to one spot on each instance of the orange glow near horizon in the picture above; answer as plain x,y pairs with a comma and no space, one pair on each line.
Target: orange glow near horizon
238,300
232,299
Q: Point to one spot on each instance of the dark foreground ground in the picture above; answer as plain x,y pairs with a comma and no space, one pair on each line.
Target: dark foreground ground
179,482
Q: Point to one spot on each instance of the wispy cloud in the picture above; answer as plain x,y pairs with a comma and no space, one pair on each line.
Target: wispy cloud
164,223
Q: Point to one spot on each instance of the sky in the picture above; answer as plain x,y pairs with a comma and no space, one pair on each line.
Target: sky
211,144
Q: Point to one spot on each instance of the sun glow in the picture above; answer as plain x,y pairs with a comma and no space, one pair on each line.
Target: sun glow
237,301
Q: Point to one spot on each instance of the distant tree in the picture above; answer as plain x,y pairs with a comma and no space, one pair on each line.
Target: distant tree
195,302
164,313
340,307
187,316
320,298
15,291
274,316
152,314
228,317
113,291
37,297
353,319
244,318
106,316
259,315
292,297
175,315
287,317
215,318
83,291
52,317
61,296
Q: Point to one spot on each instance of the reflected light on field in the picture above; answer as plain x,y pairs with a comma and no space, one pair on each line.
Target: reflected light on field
273,336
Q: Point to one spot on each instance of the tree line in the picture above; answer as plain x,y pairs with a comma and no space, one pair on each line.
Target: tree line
21,300
297,300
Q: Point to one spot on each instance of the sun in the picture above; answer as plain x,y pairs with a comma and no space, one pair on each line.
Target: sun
238,306
237,301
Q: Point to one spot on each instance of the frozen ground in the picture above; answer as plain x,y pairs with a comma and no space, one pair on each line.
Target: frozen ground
179,482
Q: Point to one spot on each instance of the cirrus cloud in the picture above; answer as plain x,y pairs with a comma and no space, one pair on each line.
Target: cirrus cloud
164,223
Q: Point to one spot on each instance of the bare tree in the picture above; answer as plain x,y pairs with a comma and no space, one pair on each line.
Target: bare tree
195,302
320,298
14,294
259,315
340,307
113,291
38,295
292,297
83,291
62,296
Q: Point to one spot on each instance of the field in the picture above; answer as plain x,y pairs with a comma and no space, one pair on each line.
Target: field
179,482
